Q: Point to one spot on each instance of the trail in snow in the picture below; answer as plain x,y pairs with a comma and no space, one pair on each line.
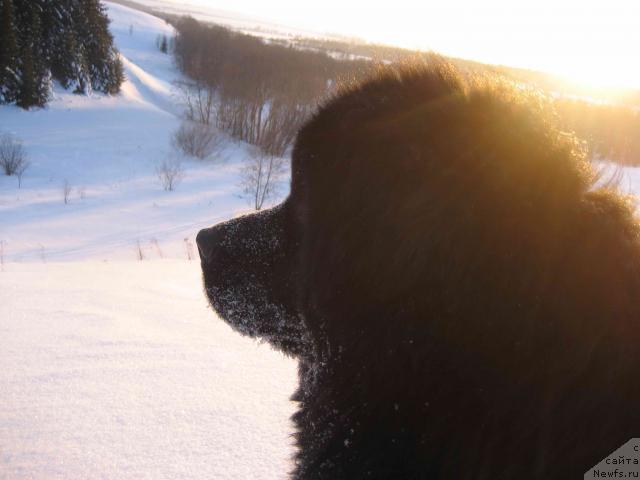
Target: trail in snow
146,89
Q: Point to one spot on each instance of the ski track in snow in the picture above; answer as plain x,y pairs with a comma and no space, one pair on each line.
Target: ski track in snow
114,368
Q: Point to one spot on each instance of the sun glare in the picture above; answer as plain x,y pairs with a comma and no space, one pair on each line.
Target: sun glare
593,42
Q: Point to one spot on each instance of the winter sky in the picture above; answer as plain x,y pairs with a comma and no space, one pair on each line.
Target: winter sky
594,41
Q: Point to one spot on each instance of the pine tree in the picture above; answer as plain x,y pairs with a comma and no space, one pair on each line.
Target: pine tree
62,53
116,74
8,54
76,56
67,40
34,74
27,93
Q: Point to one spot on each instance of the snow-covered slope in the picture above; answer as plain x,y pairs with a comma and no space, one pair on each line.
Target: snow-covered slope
114,368
118,370
107,149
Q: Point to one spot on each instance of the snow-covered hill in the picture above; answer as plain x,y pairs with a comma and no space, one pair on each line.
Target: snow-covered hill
107,149
114,368
118,370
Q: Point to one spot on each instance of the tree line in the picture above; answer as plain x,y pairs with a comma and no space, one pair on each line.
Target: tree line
265,89
64,40
257,91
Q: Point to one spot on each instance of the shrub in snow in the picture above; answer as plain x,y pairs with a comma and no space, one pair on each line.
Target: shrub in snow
13,157
170,172
196,139
20,172
261,176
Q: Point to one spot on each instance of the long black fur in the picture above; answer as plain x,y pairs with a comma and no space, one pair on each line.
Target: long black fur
463,301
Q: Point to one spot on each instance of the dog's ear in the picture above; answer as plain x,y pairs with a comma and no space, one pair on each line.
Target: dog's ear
248,278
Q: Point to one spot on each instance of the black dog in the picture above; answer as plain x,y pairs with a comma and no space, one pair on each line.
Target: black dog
463,302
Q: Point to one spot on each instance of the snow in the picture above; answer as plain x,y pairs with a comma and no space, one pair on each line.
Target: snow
250,24
113,367
108,149
118,370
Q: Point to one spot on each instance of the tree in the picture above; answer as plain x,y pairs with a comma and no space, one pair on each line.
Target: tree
68,59
67,40
170,173
35,77
261,177
105,67
258,92
20,171
8,54
13,158
198,99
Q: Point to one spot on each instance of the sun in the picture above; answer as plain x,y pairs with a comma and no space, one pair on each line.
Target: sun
591,42
605,74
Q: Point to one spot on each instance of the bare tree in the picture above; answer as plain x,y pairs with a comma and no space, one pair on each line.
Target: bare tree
255,91
261,177
13,158
170,173
20,171
280,126
196,139
66,191
198,99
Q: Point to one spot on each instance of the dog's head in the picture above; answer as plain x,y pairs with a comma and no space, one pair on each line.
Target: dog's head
418,198
443,245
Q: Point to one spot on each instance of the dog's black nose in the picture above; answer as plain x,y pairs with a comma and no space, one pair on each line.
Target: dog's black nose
208,241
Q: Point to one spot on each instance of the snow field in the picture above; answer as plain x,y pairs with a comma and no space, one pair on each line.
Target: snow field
119,370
